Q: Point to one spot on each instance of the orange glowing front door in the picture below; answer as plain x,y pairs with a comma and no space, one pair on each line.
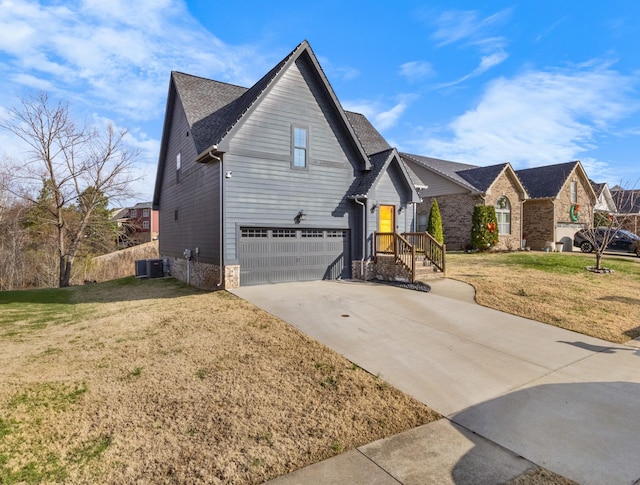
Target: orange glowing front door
387,222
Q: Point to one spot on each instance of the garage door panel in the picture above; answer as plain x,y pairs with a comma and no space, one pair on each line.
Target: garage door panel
277,255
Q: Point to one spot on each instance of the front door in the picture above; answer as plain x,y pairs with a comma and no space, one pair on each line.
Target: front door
387,218
387,224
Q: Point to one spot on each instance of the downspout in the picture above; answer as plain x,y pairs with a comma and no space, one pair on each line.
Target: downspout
221,222
364,233
522,238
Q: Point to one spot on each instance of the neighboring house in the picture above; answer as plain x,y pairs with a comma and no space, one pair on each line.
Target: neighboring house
561,202
275,182
604,201
628,208
136,225
458,188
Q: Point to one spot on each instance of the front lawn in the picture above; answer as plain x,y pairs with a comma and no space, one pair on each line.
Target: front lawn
135,381
555,288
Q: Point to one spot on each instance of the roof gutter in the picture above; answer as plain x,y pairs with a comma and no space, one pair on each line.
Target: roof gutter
210,154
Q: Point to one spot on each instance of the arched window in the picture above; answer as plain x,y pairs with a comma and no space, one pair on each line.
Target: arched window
503,214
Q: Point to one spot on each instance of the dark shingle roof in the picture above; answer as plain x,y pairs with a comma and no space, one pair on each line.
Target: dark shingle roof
627,201
371,140
364,183
443,167
545,182
597,187
482,177
213,108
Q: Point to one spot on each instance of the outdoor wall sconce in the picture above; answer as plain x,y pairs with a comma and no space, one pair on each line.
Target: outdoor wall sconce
301,216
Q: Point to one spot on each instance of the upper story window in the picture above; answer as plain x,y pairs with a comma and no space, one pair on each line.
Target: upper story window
503,215
574,192
145,212
178,167
300,147
133,213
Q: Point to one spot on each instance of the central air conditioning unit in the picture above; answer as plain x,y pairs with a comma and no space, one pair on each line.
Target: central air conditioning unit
150,268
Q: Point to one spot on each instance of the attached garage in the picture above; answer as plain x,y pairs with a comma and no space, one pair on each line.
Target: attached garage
275,255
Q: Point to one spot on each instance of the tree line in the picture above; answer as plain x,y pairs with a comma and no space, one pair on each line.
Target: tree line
54,197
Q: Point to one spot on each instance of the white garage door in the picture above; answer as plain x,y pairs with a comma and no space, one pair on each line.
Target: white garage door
275,255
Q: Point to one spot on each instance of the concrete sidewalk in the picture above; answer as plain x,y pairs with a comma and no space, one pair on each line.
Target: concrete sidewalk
511,387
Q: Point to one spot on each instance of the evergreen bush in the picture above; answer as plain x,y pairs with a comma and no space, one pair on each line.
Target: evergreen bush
484,227
434,226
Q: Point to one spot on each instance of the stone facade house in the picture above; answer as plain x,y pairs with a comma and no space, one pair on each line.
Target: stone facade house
561,202
458,188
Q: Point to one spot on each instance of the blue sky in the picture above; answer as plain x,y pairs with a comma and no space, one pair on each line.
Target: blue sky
531,83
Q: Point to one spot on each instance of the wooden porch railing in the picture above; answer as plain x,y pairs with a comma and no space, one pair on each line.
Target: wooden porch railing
426,245
403,251
405,247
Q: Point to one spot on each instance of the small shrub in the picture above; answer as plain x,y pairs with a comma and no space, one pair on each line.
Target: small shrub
434,226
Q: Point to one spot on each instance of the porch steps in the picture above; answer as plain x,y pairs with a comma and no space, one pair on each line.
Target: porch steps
427,272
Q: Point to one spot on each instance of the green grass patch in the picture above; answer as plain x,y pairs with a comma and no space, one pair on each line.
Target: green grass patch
567,264
91,450
52,395
44,470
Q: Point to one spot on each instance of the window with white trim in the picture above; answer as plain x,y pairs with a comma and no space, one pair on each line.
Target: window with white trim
178,167
300,147
503,215
574,192
145,224
145,212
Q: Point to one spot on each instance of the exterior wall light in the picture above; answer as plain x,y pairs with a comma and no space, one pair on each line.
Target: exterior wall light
301,216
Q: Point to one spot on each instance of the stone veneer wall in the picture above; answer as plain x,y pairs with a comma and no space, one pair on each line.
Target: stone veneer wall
456,212
369,270
204,275
386,269
563,203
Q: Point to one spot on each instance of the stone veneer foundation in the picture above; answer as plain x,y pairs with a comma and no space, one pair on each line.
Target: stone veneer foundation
204,275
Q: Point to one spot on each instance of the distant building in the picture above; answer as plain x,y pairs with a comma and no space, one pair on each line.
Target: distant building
136,225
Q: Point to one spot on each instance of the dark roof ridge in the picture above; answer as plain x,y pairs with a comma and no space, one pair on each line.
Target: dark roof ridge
209,79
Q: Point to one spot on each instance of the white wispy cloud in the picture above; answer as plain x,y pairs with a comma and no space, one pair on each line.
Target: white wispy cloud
380,114
117,53
538,118
468,27
416,70
486,63
471,30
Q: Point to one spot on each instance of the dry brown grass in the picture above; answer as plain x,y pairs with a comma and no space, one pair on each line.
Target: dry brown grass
557,289
151,382
540,476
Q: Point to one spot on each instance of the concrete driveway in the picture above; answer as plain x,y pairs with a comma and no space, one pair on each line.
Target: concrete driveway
564,401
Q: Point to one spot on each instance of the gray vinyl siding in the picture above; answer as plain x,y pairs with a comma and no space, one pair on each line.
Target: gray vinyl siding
195,197
438,185
264,189
390,190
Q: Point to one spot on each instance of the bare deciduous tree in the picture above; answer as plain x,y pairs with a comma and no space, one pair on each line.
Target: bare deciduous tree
605,226
79,165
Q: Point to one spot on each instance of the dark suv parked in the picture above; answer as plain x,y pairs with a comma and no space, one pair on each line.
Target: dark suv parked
623,241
